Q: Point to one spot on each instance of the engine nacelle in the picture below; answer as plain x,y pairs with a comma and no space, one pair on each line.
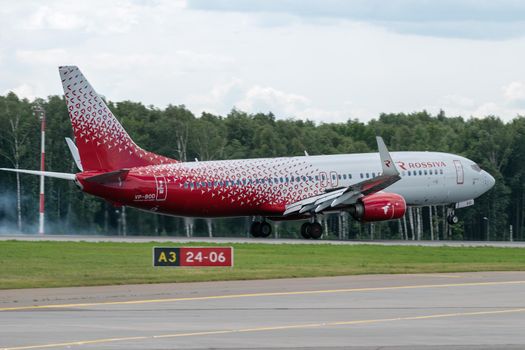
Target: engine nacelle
379,207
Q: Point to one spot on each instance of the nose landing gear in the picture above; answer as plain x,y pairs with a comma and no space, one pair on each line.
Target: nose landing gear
452,218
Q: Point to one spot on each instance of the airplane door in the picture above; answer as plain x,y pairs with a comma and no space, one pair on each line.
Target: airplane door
162,188
460,176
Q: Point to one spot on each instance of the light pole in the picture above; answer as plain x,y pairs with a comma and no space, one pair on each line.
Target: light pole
487,227
39,112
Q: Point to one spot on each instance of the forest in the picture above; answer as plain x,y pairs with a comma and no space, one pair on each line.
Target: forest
497,146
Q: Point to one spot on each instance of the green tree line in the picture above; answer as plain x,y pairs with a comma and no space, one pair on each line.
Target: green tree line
176,132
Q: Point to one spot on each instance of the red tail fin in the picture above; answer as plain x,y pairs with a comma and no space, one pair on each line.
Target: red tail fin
102,142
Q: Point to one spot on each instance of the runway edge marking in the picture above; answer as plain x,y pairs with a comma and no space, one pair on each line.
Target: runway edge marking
267,328
253,295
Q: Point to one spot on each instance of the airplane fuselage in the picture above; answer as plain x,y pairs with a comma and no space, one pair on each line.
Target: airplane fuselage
264,187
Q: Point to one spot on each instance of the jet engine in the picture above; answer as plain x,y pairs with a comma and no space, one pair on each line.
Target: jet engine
379,207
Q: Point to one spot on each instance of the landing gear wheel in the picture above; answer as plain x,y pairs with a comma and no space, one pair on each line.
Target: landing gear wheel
255,229
452,219
265,229
305,230
316,230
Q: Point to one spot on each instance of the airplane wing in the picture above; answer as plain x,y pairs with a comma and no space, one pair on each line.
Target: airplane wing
348,195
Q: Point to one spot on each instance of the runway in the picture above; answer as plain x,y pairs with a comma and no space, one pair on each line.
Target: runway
229,240
454,311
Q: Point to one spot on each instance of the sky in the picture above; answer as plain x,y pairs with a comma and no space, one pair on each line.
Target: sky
326,60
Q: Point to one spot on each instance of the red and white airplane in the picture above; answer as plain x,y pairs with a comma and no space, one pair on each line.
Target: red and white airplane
371,186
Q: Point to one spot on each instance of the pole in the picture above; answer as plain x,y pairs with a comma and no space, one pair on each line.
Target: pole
41,114
42,168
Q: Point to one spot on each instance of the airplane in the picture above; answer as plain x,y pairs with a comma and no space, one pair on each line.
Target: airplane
370,186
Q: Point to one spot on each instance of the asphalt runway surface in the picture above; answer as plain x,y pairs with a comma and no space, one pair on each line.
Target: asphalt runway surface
225,240
483,310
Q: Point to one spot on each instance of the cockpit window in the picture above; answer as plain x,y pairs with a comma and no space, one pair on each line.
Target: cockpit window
476,167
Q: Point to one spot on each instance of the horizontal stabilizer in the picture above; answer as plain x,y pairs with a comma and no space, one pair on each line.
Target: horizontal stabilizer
113,176
74,152
65,176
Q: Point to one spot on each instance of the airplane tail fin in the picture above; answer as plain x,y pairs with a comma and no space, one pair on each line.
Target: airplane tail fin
102,142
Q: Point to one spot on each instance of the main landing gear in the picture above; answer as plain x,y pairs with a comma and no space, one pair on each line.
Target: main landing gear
312,230
261,229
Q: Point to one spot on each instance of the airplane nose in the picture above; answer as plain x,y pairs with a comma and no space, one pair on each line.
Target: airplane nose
489,180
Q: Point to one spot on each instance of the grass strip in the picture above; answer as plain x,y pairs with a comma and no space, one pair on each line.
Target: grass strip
63,264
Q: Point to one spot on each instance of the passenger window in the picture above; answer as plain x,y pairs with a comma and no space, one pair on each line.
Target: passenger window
373,174
185,185
361,175
367,175
425,172
344,176
349,176
420,172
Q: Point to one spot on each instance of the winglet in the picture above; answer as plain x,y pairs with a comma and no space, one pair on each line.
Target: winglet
389,167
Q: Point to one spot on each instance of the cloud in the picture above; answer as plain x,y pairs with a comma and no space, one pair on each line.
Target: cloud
482,19
66,15
23,91
287,105
260,98
264,99
459,101
514,93
506,106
